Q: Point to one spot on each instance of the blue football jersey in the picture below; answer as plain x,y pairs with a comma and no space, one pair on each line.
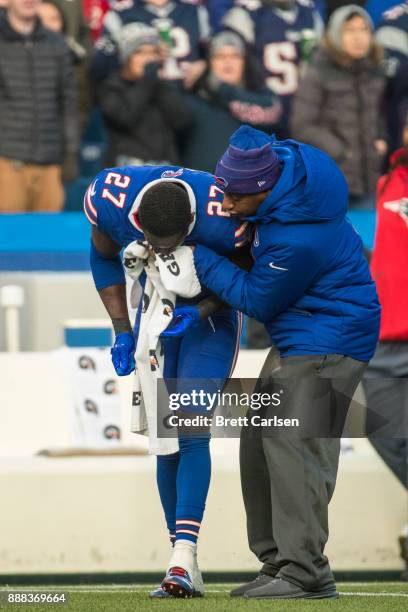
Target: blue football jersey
112,200
279,37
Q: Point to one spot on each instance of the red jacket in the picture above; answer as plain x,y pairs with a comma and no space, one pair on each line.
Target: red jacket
389,264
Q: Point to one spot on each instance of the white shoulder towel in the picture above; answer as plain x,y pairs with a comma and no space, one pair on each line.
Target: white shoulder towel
166,277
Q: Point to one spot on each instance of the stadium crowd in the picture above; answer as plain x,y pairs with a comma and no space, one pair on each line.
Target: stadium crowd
157,81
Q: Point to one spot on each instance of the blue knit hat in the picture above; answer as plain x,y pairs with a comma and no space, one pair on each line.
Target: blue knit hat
249,165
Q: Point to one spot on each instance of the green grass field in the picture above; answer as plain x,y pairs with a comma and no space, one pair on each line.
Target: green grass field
357,596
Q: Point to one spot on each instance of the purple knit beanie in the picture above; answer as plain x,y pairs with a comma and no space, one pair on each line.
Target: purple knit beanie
249,165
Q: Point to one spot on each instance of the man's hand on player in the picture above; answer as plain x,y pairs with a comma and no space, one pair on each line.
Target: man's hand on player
123,354
184,318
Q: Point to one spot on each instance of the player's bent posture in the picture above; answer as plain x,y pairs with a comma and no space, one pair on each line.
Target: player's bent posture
310,284
167,207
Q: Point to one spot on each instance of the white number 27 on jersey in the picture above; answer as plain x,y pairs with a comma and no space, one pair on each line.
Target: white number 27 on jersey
215,207
113,178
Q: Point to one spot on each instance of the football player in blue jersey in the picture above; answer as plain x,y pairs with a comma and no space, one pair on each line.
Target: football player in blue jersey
283,33
183,26
167,207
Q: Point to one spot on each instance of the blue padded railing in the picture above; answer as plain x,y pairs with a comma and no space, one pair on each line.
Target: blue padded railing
60,241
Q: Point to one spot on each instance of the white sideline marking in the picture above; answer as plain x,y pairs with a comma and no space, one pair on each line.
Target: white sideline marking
146,590
371,594
368,584
116,588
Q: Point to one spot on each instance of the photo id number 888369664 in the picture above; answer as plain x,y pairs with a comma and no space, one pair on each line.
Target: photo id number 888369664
32,597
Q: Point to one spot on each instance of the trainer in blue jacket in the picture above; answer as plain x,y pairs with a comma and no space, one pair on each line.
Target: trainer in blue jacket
310,284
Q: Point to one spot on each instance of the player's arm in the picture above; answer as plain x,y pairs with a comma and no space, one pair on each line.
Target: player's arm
109,278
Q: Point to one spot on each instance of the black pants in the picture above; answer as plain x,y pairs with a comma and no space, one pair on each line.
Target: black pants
386,389
288,481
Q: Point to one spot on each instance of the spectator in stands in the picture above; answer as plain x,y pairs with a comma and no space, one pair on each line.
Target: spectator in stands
38,111
387,400
283,33
54,15
392,34
142,111
183,27
338,104
385,383
230,93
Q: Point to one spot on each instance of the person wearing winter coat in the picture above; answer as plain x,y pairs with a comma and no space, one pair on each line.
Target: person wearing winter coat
142,112
310,284
38,111
385,382
338,105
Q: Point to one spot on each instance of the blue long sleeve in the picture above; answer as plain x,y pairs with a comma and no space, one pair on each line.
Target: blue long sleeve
277,280
106,271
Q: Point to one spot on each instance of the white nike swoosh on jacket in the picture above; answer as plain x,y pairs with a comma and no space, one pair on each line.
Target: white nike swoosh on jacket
272,265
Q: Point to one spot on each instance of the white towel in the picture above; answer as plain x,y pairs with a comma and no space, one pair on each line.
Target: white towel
166,277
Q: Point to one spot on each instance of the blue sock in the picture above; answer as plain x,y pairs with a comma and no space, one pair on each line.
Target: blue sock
193,481
166,476
183,480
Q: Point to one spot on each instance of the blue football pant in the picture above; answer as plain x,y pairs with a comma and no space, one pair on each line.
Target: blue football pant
208,351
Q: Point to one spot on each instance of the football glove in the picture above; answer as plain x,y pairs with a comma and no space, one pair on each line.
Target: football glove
184,318
123,354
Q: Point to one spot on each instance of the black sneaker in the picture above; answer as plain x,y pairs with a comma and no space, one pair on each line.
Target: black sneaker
259,581
278,588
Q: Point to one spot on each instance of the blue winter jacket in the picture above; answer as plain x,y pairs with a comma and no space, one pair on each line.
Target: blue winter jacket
310,282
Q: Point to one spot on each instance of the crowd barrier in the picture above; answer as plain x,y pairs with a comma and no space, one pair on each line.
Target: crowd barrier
60,241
